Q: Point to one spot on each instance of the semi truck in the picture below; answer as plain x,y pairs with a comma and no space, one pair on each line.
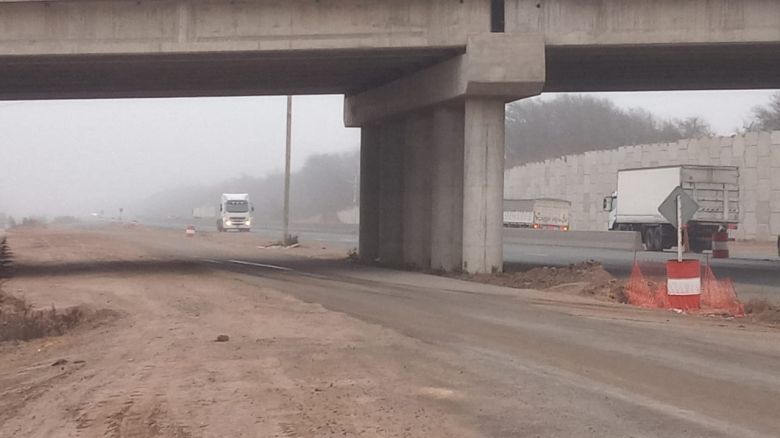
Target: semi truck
235,212
634,205
540,214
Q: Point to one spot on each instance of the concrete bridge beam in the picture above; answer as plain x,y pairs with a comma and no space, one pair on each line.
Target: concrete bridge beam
446,168
500,66
442,206
391,149
370,162
417,190
483,185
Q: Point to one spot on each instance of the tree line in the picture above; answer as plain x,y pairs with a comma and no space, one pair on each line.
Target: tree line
569,124
326,184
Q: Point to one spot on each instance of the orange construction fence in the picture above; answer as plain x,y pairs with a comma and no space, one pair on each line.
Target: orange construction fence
717,296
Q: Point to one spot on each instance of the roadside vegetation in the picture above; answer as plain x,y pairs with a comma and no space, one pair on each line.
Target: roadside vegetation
538,130
19,321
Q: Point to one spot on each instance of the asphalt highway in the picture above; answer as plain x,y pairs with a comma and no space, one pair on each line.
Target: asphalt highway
754,275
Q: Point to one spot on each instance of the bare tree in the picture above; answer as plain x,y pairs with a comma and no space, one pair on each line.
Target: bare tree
323,186
569,124
693,127
766,118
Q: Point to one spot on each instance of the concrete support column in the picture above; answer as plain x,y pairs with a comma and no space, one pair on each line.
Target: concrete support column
417,190
446,168
370,142
483,185
390,192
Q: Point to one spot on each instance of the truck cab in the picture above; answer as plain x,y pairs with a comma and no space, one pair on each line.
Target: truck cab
610,206
235,213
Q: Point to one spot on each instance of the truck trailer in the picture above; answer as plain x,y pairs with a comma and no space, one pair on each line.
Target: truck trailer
204,212
634,206
540,214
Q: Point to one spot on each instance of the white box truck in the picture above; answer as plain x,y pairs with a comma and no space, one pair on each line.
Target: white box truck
634,206
205,212
235,212
539,214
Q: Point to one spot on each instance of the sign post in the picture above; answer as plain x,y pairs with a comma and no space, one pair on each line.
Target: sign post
678,208
288,149
679,229
683,277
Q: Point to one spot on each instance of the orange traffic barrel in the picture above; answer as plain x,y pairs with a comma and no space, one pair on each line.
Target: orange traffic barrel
683,284
720,245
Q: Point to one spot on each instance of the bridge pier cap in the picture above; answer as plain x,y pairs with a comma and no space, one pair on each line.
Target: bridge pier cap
506,67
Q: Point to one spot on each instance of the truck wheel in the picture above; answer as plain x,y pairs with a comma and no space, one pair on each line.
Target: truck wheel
697,245
654,239
649,239
658,239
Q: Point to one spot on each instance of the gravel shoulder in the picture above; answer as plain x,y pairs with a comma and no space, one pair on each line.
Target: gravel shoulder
153,368
326,348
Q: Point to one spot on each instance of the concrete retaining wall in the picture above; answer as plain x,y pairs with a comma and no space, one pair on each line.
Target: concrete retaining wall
625,240
584,179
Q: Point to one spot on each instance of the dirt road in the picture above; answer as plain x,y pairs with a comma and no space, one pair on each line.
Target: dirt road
322,348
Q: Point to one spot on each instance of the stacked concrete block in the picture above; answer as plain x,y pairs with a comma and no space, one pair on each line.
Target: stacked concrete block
726,151
584,179
692,149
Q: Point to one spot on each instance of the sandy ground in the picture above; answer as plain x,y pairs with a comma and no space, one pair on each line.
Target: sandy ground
319,348
153,368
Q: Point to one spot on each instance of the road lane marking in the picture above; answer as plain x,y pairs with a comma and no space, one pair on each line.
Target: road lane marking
260,265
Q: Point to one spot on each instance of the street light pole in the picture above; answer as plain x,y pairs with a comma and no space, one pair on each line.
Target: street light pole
286,226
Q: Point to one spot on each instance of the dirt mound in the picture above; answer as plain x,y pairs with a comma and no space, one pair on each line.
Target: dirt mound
20,322
760,310
587,278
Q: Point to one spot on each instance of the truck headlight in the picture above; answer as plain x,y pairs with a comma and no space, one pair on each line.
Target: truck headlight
248,223
227,222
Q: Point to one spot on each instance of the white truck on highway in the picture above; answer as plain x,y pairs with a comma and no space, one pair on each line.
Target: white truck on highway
205,212
539,214
634,206
235,212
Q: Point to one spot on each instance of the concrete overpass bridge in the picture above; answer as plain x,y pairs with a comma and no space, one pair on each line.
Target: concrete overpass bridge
426,80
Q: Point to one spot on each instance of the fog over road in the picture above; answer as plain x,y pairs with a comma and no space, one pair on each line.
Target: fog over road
322,347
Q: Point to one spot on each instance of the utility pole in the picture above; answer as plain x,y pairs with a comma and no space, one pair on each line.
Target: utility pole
286,226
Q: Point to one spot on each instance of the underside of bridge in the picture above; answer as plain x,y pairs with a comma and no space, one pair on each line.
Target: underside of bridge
210,74
426,81
567,69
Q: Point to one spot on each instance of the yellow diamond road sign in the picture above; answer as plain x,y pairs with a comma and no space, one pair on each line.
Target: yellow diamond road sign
668,208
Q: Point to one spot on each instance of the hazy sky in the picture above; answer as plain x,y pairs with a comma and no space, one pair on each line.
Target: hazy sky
74,157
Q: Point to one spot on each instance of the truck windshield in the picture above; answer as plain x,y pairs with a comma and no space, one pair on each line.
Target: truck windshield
237,206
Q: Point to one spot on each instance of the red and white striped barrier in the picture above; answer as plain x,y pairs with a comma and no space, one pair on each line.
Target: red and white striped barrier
683,284
190,231
720,245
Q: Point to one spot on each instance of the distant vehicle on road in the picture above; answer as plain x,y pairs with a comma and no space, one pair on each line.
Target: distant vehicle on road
235,212
539,214
634,206
207,212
